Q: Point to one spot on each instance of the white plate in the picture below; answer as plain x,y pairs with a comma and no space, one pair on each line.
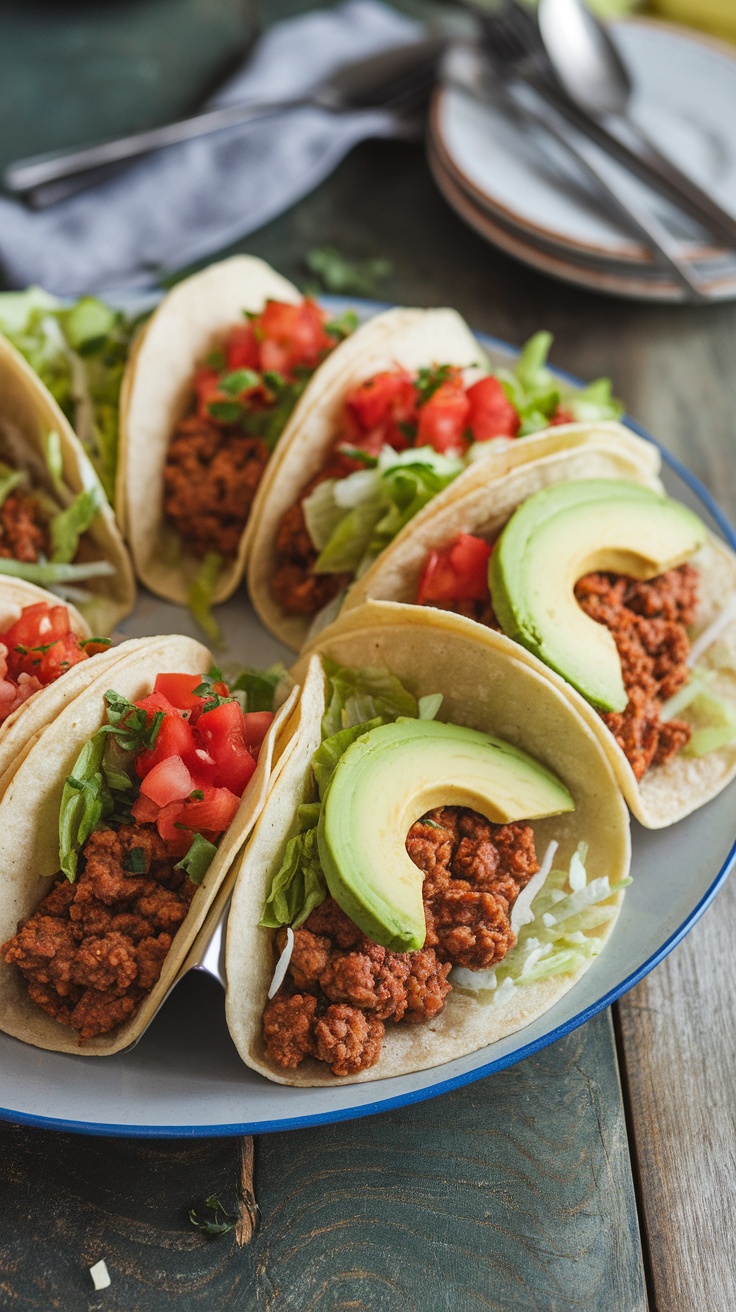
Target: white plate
635,282
185,1077
686,94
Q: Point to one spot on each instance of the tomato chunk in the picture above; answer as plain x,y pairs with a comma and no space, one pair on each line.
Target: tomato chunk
178,689
458,574
175,738
443,419
241,348
491,413
291,335
257,725
169,781
222,732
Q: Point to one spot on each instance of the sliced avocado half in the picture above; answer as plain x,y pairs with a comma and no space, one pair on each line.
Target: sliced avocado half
387,780
555,538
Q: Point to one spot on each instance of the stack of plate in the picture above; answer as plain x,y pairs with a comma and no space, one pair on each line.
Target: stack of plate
522,191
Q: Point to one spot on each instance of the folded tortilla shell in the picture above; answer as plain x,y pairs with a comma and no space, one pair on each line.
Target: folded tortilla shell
192,320
408,338
29,845
28,413
486,687
666,793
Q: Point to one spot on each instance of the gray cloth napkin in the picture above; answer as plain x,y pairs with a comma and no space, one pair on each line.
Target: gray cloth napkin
186,201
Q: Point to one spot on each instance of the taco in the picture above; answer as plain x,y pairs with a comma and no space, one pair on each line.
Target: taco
116,833
56,527
210,385
666,710
404,408
429,745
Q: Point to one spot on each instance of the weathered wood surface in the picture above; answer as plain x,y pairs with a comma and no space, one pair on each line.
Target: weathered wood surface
456,1217
511,1193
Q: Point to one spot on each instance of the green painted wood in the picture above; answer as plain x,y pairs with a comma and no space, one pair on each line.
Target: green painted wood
75,72
511,1193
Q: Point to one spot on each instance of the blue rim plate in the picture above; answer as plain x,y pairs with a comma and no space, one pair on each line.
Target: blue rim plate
185,1079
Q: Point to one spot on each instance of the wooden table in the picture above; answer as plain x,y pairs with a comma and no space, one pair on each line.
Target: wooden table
598,1174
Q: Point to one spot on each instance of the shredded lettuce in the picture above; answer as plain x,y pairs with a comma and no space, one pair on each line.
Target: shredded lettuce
357,702
54,459
67,527
48,574
557,939
201,592
350,520
79,353
713,718
10,479
536,392
259,687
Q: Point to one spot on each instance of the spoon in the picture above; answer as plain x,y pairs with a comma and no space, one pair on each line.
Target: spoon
588,65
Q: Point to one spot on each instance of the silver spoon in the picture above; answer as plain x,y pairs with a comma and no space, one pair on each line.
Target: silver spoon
477,73
592,72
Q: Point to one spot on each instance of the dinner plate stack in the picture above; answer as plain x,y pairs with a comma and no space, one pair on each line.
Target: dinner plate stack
521,190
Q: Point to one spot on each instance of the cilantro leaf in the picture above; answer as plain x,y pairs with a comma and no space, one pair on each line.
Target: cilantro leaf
347,276
221,1221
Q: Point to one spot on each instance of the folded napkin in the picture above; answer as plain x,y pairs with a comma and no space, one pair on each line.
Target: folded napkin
182,203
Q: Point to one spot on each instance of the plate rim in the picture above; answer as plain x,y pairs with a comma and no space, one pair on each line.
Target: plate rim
447,1085
627,250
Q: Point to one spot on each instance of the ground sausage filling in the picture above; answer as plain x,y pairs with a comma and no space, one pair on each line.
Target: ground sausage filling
649,622
211,476
24,530
94,949
341,990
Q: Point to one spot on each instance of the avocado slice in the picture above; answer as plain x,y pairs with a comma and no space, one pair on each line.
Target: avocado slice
387,780
563,533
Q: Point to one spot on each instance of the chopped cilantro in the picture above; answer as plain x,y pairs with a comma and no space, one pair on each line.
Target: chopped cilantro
226,412
221,1222
240,380
198,859
216,360
342,327
196,795
347,276
135,861
430,379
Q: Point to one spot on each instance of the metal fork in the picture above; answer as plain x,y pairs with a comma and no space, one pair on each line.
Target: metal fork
514,30
397,81
511,60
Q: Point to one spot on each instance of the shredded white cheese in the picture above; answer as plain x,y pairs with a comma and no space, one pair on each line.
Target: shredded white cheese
100,1275
521,911
282,964
713,631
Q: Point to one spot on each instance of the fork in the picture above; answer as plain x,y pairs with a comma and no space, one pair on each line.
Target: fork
397,81
514,34
511,61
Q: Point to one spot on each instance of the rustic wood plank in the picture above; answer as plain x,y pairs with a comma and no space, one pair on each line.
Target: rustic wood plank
513,1192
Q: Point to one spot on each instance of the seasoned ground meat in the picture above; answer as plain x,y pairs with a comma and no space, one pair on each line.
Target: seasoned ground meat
94,949
24,532
211,476
294,585
649,622
347,1039
341,988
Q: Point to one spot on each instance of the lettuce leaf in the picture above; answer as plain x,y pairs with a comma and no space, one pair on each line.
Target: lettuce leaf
79,352
201,592
536,392
298,886
67,527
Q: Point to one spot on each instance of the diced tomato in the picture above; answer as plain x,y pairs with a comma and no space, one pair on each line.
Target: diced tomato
383,402
562,416
169,781
41,644
458,574
178,689
37,625
443,419
144,810
222,731
491,413
213,814
207,390
257,725
291,335
241,348
175,738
